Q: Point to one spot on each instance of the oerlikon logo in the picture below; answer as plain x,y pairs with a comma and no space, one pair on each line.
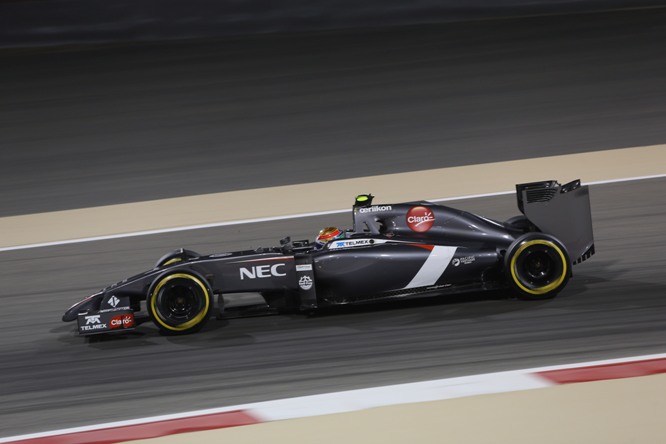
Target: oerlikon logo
420,219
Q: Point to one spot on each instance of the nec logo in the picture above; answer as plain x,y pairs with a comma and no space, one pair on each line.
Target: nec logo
261,271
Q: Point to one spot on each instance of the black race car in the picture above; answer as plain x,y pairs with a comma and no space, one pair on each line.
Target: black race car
393,251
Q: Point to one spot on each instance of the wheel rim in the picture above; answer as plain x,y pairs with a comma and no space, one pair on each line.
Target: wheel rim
538,267
180,301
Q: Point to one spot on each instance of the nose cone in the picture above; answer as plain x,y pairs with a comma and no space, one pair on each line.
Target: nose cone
87,304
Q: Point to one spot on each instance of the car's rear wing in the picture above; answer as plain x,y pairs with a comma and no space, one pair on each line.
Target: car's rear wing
560,210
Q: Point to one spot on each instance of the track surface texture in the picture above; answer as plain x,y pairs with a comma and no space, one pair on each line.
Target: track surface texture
88,126
613,307
91,126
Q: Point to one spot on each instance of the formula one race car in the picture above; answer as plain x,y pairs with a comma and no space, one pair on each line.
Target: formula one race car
393,251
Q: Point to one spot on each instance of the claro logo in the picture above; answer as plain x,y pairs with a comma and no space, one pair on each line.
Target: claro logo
420,219
262,271
122,321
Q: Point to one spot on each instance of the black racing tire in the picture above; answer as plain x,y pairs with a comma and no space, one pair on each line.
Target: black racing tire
537,266
180,302
176,256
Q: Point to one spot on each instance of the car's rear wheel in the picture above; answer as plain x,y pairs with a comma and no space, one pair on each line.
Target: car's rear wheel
180,303
537,266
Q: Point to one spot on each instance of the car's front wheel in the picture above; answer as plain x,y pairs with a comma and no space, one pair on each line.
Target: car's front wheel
180,303
537,266
176,256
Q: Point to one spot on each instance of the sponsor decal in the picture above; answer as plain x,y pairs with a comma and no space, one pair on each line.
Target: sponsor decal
420,219
304,267
93,327
262,271
351,243
116,322
305,282
463,260
108,310
93,323
113,301
94,319
122,321
434,267
375,209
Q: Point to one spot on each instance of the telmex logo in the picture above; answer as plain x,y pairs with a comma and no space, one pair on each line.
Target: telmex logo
92,323
92,319
375,209
352,243
261,271
420,219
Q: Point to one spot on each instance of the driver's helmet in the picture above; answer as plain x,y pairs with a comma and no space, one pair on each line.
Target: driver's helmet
327,235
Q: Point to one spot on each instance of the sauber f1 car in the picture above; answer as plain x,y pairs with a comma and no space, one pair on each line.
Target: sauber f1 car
393,251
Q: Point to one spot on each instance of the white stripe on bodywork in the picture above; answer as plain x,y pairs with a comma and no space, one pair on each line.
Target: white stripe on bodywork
434,267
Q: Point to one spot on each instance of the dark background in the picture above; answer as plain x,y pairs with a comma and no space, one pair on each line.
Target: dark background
37,22
84,125
94,125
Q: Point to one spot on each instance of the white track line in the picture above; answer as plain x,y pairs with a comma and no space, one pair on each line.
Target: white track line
223,208
286,217
361,399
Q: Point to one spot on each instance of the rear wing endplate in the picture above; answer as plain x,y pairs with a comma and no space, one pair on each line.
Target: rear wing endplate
562,211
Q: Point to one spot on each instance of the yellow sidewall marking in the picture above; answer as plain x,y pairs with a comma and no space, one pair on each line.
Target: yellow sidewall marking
192,322
171,261
546,288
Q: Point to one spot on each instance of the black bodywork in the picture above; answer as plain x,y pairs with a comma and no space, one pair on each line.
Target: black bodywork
393,251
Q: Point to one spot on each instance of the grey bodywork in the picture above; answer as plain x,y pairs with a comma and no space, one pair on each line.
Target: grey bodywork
386,255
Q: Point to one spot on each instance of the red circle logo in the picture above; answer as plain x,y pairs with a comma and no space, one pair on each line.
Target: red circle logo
420,219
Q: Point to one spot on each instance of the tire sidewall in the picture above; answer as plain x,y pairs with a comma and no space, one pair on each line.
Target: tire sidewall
519,247
176,256
202,316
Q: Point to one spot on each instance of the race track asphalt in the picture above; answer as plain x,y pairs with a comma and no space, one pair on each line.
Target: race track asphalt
51,378
121,124
89,126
